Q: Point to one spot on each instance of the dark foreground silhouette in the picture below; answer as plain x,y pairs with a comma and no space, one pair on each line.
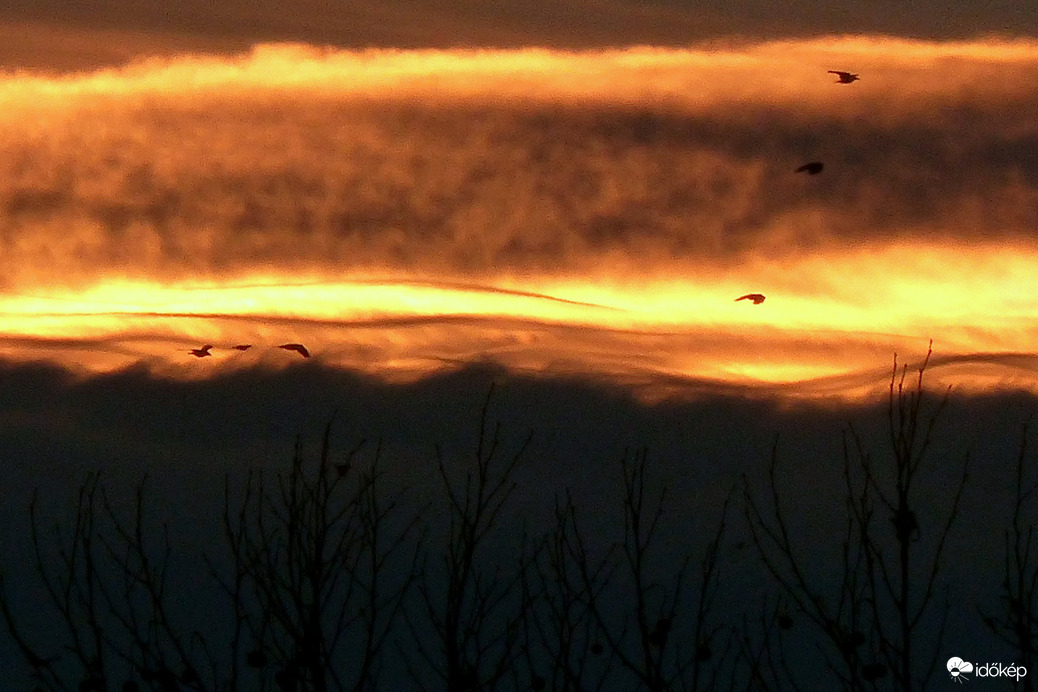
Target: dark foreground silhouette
346,570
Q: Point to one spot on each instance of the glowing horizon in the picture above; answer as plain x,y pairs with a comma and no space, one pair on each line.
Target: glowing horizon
591,213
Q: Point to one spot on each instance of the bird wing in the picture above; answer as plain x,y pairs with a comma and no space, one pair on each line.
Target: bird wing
748,296
298,348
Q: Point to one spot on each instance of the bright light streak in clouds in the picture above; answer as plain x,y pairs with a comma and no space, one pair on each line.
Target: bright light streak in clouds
591,212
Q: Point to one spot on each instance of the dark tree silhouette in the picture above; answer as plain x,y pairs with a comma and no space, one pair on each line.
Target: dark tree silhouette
563,651
878,618
1017,621
331,582
633,611
466,632
106,580
321,568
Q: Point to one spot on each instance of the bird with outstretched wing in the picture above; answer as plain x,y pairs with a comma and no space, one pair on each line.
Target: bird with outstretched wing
844,77
298,348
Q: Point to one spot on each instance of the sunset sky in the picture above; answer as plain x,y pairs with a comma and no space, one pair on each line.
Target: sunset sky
563,197
555,210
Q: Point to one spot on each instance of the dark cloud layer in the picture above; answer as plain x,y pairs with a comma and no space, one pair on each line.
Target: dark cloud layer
111,32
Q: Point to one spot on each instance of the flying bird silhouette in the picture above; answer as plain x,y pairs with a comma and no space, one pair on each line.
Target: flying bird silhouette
844,77
201,352
242,347
298,348
811,168
757,298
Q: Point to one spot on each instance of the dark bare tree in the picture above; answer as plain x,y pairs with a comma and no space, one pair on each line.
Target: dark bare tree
321,568
634,611
106,580
564,651
1017,621
466,632
878,616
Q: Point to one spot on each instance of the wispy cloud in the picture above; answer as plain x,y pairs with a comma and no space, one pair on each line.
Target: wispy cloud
572,209
54,33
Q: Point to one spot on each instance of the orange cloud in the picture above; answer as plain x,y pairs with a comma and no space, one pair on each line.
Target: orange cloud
399,211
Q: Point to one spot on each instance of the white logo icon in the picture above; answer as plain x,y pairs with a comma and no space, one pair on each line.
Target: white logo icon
958,669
